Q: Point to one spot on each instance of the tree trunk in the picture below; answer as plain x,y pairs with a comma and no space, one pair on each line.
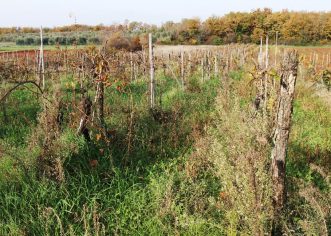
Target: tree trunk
4,111
281,133
86,113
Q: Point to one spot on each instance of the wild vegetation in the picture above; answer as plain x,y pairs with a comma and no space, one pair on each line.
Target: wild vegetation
129,140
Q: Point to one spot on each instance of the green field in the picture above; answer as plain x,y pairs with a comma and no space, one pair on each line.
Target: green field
12,47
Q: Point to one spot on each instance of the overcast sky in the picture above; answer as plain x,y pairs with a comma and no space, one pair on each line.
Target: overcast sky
62,12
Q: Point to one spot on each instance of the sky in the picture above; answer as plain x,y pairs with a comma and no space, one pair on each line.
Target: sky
50,13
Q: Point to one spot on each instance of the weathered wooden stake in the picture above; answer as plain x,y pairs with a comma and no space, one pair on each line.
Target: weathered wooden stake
202,69
131,67
215,65
276,48
265,79
267,52
189,64
152,80
41,65
281,132
260,56
182,71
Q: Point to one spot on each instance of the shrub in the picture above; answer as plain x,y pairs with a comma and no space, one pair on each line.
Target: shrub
71,41
29,41
20,41
82,41
119,41
46,41
214,40
94,40
61,40
51,41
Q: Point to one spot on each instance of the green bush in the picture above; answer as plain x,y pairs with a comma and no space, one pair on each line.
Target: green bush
29,41
82,41
20,41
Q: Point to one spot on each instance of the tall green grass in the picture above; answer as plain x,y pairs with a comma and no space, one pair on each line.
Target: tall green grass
190,173
124,193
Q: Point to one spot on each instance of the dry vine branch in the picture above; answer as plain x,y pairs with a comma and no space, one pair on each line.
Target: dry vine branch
18,85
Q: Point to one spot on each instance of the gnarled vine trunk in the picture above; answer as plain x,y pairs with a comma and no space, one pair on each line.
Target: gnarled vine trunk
281,133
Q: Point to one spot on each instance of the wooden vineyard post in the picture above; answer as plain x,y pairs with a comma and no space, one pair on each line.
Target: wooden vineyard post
265,77
144,67
323,60
189,69
281,133
152,80
260,56
208,65
316,61
230,61
41,66
27,59
131,67
215,66
267,52
259,100
202,69
276,48
182,72
99,101
327,59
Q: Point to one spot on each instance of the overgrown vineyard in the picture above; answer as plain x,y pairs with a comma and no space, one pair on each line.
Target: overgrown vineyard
168,140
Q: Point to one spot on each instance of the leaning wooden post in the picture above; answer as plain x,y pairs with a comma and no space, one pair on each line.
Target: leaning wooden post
152,80
281,132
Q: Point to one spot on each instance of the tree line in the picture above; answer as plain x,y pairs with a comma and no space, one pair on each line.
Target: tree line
294,28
